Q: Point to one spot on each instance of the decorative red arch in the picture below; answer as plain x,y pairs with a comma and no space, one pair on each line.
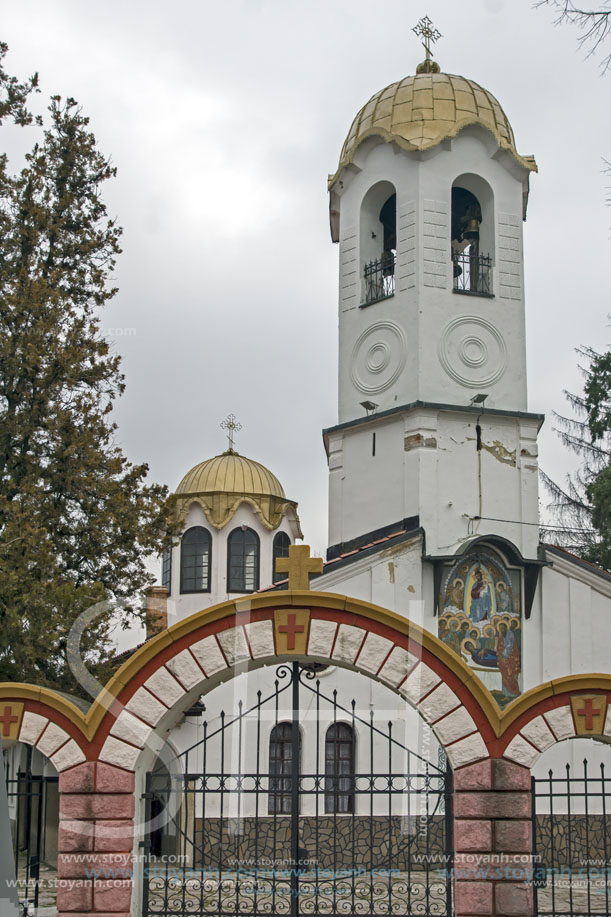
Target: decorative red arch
99,753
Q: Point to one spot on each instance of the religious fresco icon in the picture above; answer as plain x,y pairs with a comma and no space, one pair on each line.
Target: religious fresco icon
480,620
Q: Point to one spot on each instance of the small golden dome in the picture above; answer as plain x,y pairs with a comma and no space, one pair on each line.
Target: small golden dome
231,473
420,111
220,484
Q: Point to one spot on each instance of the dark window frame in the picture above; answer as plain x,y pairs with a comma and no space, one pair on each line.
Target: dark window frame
340,769
236,533
278,577
279,798
208,538
166,569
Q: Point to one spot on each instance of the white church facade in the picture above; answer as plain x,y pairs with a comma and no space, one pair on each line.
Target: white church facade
433,463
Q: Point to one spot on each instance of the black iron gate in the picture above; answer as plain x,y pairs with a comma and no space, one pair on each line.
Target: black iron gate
28,796
571,816
298,804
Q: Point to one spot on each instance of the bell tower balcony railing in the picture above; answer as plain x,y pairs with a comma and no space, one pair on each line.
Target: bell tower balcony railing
379,279
472,273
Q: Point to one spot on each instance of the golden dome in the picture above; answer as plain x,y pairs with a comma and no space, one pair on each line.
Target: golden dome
231,473
420,111
220,484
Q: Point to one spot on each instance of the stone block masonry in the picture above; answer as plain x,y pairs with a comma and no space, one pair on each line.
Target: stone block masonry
95,840
492,840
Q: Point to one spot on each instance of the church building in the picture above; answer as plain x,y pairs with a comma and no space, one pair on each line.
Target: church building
347,717
433,460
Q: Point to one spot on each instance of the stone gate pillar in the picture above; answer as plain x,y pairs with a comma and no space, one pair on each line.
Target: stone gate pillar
96,832
492,840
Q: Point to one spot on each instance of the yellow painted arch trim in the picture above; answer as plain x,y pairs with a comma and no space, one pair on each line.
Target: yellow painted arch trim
308,599
17,690
500,721
597,681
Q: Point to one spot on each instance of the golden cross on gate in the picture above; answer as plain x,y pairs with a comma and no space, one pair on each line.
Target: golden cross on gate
425,29
7,720
299,565
232,426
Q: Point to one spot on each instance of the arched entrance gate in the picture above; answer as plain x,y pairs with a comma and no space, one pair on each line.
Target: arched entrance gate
103,758
292,798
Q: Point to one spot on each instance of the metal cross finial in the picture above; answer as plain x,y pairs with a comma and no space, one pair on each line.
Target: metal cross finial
425,30
232,426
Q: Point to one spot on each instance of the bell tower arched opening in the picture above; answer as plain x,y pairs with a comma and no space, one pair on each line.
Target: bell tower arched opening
378,239
472,235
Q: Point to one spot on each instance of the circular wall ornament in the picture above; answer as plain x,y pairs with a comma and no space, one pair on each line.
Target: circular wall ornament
378,357
472,351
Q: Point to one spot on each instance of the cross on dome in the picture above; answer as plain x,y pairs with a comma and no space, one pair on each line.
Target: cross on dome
426,30
232,426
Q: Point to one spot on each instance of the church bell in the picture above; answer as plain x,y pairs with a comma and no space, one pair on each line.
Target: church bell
472,231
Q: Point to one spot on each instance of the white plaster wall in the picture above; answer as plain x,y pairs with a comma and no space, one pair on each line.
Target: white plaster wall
182,605
567,631
474,151
426,464
366,491
394,578
424,303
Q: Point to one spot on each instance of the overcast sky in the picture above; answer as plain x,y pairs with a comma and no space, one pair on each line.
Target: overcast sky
224,120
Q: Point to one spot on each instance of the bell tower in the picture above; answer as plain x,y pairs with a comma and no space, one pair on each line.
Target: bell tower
427,205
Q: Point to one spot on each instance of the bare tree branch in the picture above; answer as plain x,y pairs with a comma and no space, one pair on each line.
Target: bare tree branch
595,25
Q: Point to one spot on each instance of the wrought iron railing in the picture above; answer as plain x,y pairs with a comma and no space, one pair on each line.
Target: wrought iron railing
373,838
472,273
379,279
571,819
29,794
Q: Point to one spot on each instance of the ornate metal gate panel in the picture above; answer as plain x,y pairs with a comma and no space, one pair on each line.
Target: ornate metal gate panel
572,842
325,811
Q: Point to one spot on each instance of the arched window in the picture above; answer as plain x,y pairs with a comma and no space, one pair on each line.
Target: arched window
281,768
378,242
195,553
472,235
166,569
282,543
243,561
339,768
